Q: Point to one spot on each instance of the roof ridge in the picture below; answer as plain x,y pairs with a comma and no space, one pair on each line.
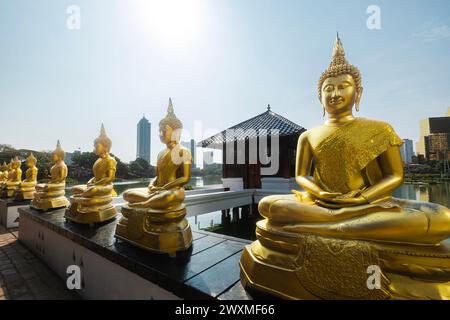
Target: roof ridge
269,120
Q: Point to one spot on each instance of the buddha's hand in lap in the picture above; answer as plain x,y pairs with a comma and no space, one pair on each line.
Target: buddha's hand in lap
342,202
154,189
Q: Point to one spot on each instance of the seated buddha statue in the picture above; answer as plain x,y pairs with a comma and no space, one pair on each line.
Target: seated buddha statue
319,243
154,217
92,203
27,187
3,173
4,176
51,195
14,178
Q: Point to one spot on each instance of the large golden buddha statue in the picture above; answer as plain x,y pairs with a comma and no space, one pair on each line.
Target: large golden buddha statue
321,243
92,203
154,218
27,187
14,178
51,195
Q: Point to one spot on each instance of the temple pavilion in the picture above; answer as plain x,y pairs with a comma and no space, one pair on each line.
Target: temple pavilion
249,174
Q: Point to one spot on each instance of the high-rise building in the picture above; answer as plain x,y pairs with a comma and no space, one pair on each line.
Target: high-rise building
434,140
143,139
192,148
407,151
208,159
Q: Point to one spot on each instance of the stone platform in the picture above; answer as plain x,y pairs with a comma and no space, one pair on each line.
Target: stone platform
9,214
112,269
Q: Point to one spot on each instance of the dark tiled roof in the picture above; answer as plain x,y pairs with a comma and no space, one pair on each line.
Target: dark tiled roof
266,121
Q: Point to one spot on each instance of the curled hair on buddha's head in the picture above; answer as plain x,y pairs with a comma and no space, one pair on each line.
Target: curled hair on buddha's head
170,119
103,139
340,66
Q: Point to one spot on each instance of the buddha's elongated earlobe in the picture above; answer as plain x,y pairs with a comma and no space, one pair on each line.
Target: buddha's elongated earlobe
358,99
323,112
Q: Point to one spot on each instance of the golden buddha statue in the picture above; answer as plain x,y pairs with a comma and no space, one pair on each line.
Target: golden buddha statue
52,195
154,218
92,203
14,178
3,173
320,243
27,188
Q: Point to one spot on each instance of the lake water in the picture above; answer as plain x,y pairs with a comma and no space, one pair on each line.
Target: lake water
436,193
237,222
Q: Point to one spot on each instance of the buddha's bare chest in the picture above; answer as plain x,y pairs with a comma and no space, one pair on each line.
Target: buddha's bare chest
317,136
167,168
100,168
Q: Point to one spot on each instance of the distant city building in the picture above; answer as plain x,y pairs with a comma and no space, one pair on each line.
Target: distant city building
434,140
69,156
192,147
143,139
407,151
208,159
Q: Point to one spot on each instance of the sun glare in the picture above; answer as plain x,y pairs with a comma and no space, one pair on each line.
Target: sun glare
174,23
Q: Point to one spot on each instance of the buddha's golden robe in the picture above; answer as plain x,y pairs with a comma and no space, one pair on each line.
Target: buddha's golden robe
350,151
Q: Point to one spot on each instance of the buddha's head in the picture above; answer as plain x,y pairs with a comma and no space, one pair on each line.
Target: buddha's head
31,160
4,167
170,127
15,163
58,154
103,143
340,86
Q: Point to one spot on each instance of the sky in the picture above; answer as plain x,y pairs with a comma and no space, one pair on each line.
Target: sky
221,62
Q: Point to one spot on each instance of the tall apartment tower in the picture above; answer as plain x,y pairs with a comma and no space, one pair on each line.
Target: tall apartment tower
143,139
407,151
192,148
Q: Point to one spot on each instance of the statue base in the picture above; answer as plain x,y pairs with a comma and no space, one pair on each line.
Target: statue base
7,193
302,266
24,195
161,231
46,204
101,214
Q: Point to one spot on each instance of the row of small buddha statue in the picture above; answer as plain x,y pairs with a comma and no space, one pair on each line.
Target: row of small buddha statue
154,217
11,183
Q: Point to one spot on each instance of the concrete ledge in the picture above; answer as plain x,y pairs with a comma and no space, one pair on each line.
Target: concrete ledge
9,214
113,269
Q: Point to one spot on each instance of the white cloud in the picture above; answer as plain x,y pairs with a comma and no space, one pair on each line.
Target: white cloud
440,32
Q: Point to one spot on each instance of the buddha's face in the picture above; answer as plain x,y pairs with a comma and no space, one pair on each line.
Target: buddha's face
167,134
339,94
100,149
30,163
55,157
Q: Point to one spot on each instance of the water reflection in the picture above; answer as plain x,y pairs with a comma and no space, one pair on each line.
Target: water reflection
236,222
436,193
